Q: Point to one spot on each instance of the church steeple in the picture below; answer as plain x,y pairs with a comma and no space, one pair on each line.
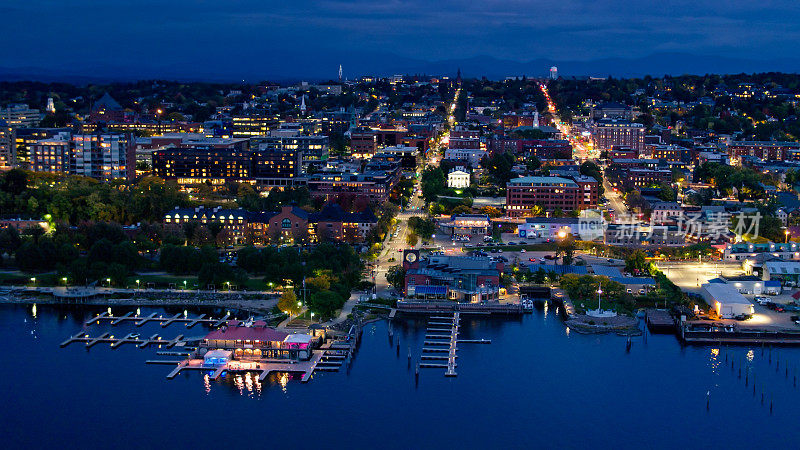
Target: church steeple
303,104
458,76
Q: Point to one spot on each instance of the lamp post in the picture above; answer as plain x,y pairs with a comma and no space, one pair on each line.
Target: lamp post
184,285
33,280
786,232
137,285
599,291
64,280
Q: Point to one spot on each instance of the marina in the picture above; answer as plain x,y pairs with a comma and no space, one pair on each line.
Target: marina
197,388
154,317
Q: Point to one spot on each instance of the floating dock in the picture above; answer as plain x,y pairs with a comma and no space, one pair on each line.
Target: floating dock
128,339
164,321
659,321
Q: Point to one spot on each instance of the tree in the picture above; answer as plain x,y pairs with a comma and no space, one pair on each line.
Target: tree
491,211
636,262
412,239
396,276
325,303
288,303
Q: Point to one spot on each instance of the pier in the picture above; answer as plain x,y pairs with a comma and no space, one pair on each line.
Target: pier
164,321
659,320
439,308
128,339
442,346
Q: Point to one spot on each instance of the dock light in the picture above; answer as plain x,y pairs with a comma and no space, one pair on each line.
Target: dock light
109,281
64,280
184,284
137,284
33,280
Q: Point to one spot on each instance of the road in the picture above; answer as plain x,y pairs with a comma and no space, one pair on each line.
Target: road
582,150
620,209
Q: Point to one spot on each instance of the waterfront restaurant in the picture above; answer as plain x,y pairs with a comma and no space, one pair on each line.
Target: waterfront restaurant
256,341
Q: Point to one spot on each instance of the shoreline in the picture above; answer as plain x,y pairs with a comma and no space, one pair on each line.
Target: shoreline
44,300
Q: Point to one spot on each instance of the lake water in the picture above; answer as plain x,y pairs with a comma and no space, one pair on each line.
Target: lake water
536,385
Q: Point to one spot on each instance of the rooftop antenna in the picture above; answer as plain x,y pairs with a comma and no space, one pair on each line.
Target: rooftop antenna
340,73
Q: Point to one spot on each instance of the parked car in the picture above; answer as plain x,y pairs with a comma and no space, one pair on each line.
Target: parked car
761,300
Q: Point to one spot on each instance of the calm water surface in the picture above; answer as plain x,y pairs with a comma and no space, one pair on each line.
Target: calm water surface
536,385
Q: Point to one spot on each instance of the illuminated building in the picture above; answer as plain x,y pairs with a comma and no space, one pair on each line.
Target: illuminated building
468,279
607,133
19,115
550,193
197,165
765,150
374,186
253,125
312,148
276,167
104,157
51,155
8,150
363,142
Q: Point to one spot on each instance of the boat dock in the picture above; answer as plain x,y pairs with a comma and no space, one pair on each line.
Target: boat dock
128,339
164,321
441,344
438,308
705,333
659,320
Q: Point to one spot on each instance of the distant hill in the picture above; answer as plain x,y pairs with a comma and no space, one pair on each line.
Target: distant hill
290,67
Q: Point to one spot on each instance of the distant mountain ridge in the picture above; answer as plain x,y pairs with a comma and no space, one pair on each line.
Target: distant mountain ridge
292,67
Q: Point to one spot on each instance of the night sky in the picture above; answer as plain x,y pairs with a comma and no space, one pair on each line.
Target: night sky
172,35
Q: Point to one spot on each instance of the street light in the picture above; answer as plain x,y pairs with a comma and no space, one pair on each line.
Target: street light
786,232
33,280
599,291
137,284
64,280
184,285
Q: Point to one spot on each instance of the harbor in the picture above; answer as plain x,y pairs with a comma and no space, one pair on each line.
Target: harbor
231,347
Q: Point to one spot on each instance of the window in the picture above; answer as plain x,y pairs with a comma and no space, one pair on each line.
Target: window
286,223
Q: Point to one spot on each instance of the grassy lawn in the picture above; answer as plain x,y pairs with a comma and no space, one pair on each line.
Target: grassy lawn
21,278
163,281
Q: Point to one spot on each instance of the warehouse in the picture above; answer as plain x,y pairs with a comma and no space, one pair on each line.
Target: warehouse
726,300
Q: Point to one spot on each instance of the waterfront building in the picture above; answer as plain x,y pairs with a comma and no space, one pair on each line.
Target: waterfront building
256,341
726,300
469,279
